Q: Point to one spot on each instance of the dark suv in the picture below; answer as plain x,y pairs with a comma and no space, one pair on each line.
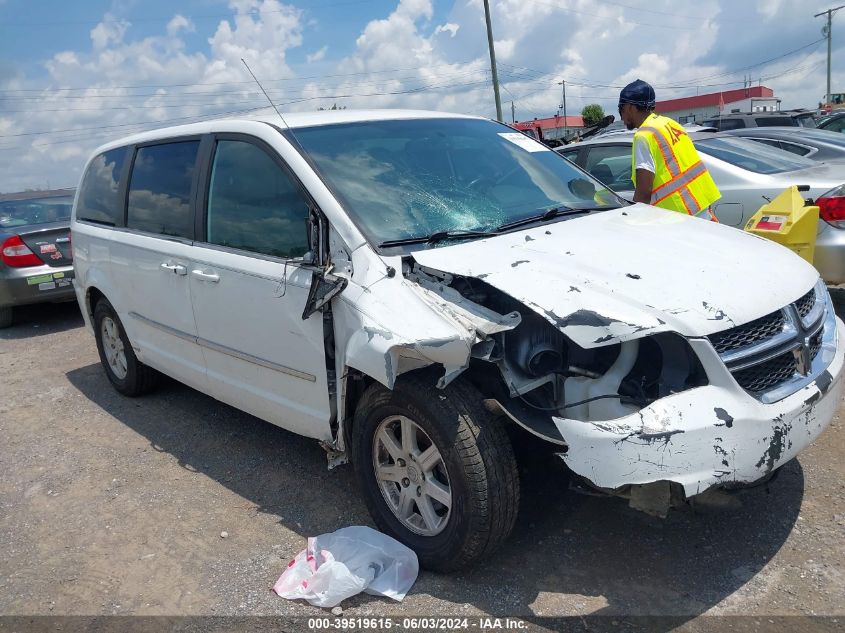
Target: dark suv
737,120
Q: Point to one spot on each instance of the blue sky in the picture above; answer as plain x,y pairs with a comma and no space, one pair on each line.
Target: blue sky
75,74
34,31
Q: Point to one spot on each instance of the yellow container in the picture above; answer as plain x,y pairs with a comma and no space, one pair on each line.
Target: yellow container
788,220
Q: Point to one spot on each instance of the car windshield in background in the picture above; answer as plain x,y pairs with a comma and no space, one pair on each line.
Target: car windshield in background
753,156
34,211
405,179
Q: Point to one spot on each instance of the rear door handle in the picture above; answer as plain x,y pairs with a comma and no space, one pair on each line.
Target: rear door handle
176,269
210,277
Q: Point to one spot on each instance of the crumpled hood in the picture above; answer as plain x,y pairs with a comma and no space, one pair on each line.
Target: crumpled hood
617,275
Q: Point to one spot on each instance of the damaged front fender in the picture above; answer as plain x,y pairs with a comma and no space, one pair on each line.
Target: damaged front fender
396,325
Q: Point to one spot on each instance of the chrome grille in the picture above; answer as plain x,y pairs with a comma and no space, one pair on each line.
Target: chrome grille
768,374
773,356
805,304
755,331
815,345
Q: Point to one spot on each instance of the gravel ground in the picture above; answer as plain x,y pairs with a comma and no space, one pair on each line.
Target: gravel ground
111,505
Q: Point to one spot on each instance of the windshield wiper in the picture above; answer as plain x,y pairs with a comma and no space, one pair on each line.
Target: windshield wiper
545,216
439,236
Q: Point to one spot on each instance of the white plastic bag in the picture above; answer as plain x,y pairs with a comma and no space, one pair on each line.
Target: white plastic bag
335,566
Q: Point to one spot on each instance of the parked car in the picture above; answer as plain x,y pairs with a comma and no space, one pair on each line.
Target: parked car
738,120
35,251
404,286
747,174
818,145
833,123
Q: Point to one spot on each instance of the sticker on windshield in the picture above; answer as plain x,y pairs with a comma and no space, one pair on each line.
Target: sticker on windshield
526,143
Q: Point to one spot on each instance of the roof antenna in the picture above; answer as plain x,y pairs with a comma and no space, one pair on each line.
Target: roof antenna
314,215
265,93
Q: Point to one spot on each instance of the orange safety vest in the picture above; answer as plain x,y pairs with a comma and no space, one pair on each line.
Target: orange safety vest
681,181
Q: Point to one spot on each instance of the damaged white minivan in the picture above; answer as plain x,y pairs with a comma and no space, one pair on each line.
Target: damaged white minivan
404,286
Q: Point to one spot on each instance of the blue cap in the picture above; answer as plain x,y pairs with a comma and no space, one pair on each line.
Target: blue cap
638,93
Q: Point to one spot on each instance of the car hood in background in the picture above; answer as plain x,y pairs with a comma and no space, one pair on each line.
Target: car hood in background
617,275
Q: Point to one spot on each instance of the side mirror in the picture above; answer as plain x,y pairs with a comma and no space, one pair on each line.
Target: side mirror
324,287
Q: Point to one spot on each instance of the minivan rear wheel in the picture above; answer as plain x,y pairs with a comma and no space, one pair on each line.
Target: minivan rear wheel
129,376
437,470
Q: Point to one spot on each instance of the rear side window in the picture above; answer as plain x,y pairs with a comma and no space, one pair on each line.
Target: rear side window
98,199
253,204
729,124
160,189
795,148
779,121
752,156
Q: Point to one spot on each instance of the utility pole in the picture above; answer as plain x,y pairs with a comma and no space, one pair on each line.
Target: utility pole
513,113
828,31
493,61
565,130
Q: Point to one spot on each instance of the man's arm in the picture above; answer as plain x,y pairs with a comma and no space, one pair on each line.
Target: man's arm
645,181
644,165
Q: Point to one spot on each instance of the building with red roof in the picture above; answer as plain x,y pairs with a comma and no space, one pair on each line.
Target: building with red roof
700,107
552,127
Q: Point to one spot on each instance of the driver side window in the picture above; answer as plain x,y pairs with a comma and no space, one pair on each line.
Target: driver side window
253,204
611,164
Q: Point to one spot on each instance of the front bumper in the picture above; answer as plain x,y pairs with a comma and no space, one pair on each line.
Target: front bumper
35,284
709,436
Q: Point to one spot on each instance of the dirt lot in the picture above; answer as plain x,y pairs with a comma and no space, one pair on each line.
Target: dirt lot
111,505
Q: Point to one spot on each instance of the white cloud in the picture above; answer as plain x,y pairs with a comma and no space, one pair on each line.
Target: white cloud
449,27
319,55
109,31
179,23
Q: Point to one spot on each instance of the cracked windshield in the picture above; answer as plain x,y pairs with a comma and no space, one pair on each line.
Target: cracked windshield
409,179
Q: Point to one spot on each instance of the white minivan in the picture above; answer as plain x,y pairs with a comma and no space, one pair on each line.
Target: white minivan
412,288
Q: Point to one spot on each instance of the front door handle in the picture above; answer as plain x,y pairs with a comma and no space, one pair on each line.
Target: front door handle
210,277
176,269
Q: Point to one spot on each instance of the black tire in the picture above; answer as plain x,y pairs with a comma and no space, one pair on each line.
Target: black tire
477,455
139,378
5,316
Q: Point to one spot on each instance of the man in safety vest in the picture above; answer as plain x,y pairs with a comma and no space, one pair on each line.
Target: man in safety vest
665,167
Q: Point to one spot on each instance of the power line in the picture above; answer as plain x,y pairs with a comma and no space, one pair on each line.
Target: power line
233,83
298,100
689,83
674,15
222,93
595,15
158,123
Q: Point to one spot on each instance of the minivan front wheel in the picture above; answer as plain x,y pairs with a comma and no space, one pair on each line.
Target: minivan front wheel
437,470
128,375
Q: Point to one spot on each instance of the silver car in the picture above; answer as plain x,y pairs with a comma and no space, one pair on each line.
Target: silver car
747,174
36,263
817,145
